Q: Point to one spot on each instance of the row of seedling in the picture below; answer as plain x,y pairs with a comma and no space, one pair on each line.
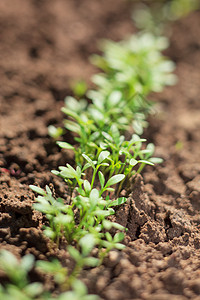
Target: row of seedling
108,151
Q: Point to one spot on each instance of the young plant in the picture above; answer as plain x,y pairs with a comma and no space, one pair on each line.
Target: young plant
20,287
104,159
87,208
17,271
156,16
134,66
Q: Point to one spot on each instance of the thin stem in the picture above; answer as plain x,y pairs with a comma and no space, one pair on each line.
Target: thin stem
140,168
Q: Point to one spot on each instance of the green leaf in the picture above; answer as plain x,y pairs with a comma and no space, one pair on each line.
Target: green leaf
151,148
103,213
156,160
102,156
107,224
105,165
74,253
146,162
87,186
94,197
87,243
63,220
108,236
55,132
8,261
118,226
114,98
86,166
115,179
50,233
133,162
119,236
101,179
119,246
71,113
91,261
67,172
110,189
92,163
55,172
71,102
79,287
65,145
118,201
49,192
37,190
79,88
107,136
34,289
48,266
27,262
72,126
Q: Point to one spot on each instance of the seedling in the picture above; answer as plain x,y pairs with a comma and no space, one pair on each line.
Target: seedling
79,88
92,208
17,272
21,288
159,14
104,158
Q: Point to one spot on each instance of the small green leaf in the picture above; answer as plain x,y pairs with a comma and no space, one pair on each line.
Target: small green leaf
71,113
114,98
33,289
79,88
79,287
74,253
49,266
37,190
119,236
94,196
27,262
107,224
105,165
146,162
87,186
156,160
49,192
103,213
55,132
71,102
87,243
108,236
55,172
91,261
92,163
110,189
133,162
63,220
86,166
72,126
115,179
101,179
107,136
102,156
50,233
118,226
119,246
65,145
118,201
151,148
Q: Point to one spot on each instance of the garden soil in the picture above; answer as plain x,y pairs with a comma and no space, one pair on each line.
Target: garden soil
44,46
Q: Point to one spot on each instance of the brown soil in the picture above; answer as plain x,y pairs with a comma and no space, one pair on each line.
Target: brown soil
44,45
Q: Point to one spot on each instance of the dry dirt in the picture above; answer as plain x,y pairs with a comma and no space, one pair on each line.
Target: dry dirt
45,44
